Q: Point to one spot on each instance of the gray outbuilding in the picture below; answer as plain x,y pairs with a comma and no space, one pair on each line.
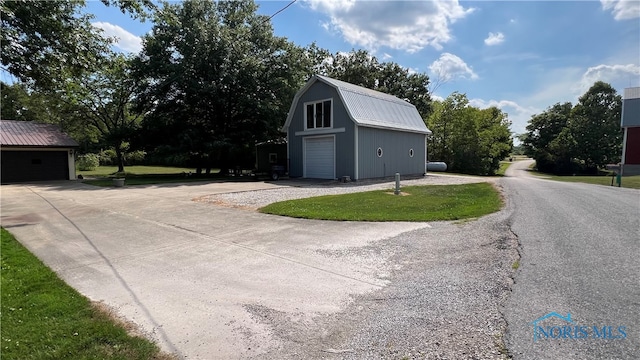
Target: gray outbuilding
336,129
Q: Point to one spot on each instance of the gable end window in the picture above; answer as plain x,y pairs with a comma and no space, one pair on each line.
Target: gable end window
318,114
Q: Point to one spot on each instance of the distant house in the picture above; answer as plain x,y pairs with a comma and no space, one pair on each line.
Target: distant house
35,152
336,129
631,126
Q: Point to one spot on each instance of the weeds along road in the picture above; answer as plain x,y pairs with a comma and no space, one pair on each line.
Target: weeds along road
577,290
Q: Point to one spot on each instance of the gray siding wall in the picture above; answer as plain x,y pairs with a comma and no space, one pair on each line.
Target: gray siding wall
630,112
395,153
344,139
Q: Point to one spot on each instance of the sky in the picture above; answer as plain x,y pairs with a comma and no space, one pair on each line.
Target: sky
521,56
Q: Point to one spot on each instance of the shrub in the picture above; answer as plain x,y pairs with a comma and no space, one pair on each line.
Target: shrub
135,157
108,157
88,162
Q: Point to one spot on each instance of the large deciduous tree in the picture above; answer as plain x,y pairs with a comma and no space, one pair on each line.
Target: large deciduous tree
103,99
44,42
545,129
215,80
595,127
567,139
470,140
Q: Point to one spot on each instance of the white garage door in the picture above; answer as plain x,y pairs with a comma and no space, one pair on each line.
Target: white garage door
319,158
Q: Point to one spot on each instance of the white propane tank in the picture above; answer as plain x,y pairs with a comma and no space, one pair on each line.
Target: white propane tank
436,166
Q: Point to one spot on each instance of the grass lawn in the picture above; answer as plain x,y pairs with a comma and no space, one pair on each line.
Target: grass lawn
503,167
44,318
418,203
632,182
106,171
145,175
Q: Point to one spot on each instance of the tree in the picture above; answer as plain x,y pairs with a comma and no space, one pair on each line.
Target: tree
214,80
494,138
595,127
43,42
582,138
543,130
442,122
103,100
468,139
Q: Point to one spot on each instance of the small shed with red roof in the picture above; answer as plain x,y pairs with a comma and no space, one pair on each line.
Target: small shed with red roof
31,151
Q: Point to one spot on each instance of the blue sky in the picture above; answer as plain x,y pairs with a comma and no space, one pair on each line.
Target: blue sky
520,56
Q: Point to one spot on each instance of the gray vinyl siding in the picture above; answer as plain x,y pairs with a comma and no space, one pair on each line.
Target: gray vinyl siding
395,158
630,112
343,140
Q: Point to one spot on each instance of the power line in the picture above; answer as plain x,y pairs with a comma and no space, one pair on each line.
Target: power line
279,11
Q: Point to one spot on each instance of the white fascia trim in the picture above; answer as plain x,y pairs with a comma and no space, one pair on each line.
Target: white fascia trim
428,132
294,104
355,141
320,132
304,112
426,152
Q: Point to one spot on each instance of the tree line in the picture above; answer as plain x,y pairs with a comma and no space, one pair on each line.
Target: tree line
580,138
212,80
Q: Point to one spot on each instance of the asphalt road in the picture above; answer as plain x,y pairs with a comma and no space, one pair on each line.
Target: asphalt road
580,259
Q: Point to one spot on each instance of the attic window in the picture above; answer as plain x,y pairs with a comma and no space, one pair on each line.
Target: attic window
410,152
379,152
318,114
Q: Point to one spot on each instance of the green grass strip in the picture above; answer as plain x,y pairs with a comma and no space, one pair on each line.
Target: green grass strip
44,318
632,182
417,203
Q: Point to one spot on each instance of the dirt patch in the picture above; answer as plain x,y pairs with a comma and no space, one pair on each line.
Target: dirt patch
402,193
130,327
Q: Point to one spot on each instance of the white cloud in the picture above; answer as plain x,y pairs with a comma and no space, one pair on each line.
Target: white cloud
436,97
386,57
494,39
124,40
518,114
561,85
450,67
610,74
622,9
403,25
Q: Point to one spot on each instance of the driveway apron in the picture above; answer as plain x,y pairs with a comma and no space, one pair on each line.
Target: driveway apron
185,271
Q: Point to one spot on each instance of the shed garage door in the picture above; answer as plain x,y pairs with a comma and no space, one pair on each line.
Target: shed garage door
319,158
19,166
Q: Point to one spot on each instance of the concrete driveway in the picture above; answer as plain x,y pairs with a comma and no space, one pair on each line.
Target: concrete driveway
189,272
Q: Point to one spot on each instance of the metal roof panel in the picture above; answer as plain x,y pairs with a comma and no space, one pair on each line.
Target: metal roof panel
376,109
28,133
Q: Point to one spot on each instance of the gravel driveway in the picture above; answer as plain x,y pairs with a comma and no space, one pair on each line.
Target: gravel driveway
299,189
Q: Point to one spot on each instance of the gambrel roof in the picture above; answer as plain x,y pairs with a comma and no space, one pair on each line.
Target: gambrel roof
368,108
28,133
